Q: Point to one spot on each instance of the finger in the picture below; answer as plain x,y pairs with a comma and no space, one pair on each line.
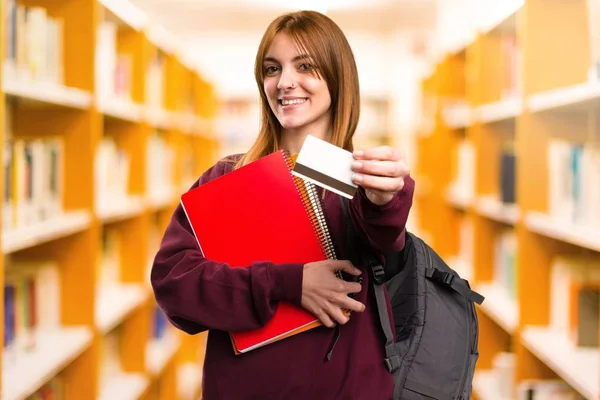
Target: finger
337,314
381,183
382,168
325,319
350,287
378,153
348,303
345,265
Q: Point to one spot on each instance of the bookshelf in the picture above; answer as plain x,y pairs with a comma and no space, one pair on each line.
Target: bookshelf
508,148
105,125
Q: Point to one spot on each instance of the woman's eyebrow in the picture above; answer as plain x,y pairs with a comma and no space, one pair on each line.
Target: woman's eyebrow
297,58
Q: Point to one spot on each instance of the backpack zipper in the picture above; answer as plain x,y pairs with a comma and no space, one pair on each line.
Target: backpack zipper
468,358
463,375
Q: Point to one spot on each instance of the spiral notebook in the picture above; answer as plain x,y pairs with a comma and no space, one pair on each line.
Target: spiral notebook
261,212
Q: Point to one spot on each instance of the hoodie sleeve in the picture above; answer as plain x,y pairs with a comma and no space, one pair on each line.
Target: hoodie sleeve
384,226
198,294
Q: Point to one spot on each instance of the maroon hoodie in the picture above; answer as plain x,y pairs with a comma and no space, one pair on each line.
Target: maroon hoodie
198,294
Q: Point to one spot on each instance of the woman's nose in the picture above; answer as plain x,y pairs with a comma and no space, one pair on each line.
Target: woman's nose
286,81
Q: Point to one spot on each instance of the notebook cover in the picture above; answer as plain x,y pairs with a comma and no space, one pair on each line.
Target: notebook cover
256,213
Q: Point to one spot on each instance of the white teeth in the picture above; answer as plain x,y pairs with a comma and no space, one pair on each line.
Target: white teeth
290,102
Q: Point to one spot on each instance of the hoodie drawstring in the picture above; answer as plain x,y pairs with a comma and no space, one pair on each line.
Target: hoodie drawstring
336,337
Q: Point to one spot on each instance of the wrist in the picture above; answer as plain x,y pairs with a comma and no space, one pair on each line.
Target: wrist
287,282
378,198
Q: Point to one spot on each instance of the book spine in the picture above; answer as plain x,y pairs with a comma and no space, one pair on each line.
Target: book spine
314,209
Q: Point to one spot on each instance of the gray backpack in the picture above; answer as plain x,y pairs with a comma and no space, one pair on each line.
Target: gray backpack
434,352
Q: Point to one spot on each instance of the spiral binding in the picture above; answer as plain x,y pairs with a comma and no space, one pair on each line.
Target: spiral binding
314,208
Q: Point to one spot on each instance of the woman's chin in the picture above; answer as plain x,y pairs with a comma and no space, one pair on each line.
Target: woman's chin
291,124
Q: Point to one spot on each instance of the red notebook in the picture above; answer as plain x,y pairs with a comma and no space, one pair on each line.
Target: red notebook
261,212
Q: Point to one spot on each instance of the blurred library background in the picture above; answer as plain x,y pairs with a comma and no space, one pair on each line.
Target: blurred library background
112,108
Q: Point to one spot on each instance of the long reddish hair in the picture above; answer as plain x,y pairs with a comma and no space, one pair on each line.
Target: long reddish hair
318,36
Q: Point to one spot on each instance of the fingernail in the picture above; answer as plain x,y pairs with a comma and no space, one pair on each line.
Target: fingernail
357,177
357,271
359,153
357,165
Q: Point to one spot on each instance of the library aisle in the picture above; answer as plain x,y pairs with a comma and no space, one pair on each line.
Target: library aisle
105,125
510,147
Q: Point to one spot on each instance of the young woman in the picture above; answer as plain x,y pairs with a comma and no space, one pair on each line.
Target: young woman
308,84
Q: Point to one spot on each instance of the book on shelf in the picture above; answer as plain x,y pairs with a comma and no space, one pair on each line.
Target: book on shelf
503,364
539,389
160,163
593,12
574,182
575,300
155,82
34,44
114,70
51,390
108,264
508,167
7,171
33,187
261,212
505,268
159,324
511,62
463,183
585,320
110,360
31,305
111,169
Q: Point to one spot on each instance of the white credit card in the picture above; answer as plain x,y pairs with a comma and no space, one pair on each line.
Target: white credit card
326,165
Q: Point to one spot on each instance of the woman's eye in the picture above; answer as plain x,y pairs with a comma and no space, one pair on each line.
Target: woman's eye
271,69
306,67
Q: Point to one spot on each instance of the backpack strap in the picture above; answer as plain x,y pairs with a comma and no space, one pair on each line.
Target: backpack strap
392,358
453,282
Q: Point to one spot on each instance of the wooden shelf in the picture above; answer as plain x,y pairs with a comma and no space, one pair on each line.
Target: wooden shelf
122,110
500,111
125,101
492,208
160,352
46,93
115,302
160,119
458,198
579,97
499,306
185,122
163,39
122,209
579,367
54,350
125,387
500,16
546,225
157,201
51,229
527,77
127,13
459,116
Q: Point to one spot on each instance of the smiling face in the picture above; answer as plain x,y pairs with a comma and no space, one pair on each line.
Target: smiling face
297,95
297,99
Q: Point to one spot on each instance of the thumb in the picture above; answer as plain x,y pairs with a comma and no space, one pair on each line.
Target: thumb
347,266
